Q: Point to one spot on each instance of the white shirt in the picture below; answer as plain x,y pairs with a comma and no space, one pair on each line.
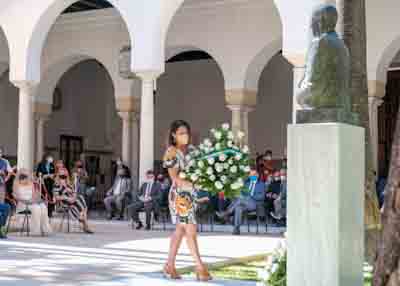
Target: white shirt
148,190
117,190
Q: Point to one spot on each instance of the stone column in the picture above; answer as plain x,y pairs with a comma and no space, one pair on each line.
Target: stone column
241,102
146,160
127,119
42,113
26,140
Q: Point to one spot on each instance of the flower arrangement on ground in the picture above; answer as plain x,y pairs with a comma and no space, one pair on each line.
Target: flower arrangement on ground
219,163
276,267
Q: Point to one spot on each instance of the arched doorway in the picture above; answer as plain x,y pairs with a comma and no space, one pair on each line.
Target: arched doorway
192,89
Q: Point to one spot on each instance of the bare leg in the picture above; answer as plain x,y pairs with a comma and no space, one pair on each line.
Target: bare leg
175,243
191,239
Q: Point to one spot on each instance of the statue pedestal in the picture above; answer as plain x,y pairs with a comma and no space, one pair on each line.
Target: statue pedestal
326,115
325,235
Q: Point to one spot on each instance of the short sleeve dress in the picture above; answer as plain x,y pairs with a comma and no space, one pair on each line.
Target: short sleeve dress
182,200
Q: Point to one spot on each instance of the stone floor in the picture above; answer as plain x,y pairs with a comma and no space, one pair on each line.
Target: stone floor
114,255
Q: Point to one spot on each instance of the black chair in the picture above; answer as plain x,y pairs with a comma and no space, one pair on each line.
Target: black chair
26,221
205,212
259,213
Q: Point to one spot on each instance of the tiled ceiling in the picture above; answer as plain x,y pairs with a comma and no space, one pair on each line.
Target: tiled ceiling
85,5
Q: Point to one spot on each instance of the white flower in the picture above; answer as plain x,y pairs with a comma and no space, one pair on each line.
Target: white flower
230,135
198,172
197,152
226,166
194,178
188,157
240,134
218,146
217,135
211,161
222,157
238,156
200,164
207,142
210,171
230,162
182,175
192,163
235,186
240,182
213,131
230,144
225,126
246,149
201,146
233,169
212,178
223,179
219,168
246,169
218,185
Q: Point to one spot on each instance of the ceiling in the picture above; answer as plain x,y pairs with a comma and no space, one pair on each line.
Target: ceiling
85,5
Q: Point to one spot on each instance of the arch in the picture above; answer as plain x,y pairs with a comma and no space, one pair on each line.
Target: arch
4,52
386,58
259,62
54,73
47,19
176,50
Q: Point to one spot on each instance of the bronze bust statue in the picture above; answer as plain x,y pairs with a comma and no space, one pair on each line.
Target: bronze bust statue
324,91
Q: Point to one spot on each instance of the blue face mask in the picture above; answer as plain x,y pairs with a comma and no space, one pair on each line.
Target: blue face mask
253,178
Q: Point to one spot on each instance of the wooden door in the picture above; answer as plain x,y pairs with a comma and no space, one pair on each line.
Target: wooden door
71,148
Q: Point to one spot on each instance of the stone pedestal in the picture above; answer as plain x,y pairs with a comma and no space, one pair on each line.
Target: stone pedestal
325,205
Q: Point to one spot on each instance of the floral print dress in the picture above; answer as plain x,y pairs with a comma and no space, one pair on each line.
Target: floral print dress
182,200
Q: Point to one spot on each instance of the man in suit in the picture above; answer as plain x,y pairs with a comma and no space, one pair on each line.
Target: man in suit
148,199
115,199
251,196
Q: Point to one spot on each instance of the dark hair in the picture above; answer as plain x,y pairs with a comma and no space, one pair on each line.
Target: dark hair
174,127
44,157
150,172
268,152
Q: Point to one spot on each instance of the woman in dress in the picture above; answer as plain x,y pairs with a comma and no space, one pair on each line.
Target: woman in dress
71,200
28,196
182,201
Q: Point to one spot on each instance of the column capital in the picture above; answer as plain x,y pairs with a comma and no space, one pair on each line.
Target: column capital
128,116
42,111
128,104
241,97
148,76
26,86
241,108
376,88
375,101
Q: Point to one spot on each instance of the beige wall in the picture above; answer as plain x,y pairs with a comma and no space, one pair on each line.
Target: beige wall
88,109
268,123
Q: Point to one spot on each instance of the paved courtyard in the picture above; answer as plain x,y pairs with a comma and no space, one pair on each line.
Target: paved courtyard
114,255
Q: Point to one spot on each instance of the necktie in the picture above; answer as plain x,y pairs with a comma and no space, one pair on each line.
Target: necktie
252,188
148,190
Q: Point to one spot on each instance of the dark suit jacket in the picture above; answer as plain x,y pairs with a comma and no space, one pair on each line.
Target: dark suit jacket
155,193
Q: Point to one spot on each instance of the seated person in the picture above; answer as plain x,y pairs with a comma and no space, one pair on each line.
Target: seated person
28,197
280,203
148,198
273,191
4,209
117,195
81,180
71,200
252,195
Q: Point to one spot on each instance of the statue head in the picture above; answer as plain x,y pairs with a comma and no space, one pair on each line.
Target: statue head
324,20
